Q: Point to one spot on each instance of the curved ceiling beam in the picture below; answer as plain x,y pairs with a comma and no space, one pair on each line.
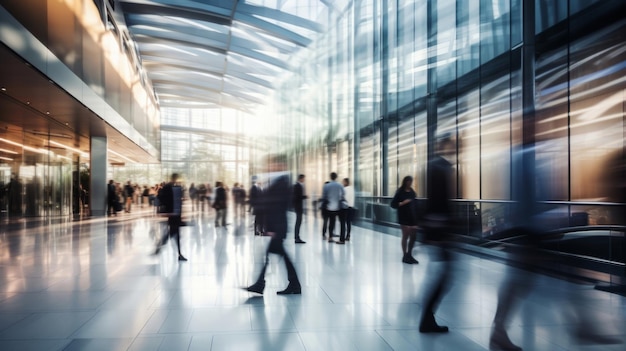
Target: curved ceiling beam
160,37
184,66
278,15
174,10
236,85
143,24
226,52
166,84
194,10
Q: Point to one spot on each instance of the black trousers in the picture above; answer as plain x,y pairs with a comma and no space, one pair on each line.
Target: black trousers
276,247
440,284
332,216
349,216
296,229
325,222
220,214
173,226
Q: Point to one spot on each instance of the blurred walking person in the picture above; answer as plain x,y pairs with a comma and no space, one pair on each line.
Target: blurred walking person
436,226
129,192
219,204
275,203
112,198
171,202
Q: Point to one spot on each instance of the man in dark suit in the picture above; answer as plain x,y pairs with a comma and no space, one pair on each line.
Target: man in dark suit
171,200
111,198
220,204
275,203
255,207
298,198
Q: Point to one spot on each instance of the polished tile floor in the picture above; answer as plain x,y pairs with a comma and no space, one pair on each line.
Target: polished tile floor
94,285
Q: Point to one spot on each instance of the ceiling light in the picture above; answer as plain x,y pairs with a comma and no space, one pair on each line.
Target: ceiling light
3,89
81,153
122,156
23,146
8,151
6,158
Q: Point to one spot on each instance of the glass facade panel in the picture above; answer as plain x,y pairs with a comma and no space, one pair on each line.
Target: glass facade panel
495,139
397,74
446,41
469,145
596,109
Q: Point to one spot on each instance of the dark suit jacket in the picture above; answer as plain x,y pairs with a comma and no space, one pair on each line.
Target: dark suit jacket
220,198
298,196
439,187
166,198
255,194
275,203
112,196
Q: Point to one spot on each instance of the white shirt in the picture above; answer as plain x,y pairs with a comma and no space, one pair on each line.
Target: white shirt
349,195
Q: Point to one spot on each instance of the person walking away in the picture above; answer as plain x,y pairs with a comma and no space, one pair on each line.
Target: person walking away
219,204
129,191
171,201
202,192
193,196
298,197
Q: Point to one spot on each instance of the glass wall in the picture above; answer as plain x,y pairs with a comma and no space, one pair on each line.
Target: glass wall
209,145
391,75
35,181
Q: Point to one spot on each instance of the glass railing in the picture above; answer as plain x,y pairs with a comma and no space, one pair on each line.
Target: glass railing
585,237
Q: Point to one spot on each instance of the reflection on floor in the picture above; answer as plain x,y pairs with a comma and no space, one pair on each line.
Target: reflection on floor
94,285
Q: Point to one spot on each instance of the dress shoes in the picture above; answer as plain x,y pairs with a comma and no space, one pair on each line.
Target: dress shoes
433,328
340,242
499,340
257,287
409,259
300,241
429,325
181,258
291,290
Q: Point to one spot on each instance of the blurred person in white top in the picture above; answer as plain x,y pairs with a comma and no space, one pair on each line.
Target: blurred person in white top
332,197
349,212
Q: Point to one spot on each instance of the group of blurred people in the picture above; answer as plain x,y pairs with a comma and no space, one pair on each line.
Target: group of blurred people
272,194
337,203
123,197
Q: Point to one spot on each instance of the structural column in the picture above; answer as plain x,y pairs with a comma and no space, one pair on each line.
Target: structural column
98,178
